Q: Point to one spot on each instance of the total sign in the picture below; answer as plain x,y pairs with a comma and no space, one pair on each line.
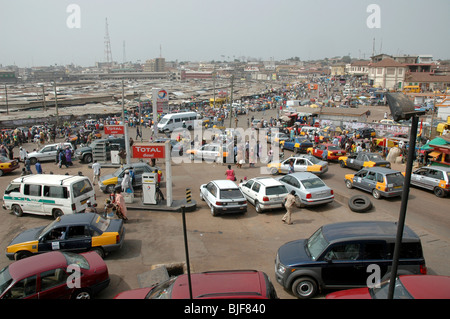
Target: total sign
162,100
155,150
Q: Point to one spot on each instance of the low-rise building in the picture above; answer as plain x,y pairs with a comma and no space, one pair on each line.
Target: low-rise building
387,74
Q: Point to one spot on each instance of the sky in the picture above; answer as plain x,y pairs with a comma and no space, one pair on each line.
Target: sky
48,32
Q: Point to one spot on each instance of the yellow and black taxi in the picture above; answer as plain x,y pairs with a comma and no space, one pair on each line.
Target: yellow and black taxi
74,233
360,160
380,181
109,182
7,165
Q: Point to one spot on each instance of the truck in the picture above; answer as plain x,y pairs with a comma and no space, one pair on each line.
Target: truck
86,153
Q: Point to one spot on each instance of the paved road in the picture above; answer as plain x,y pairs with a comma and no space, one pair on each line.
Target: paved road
237,241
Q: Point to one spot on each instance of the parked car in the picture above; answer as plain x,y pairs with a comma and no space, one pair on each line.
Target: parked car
223,196
228,284
278,138
359,160
380,181
213,152
85,153
309,189
302,163
264,193
45,276
76,233
336,256
334,152
435,178
108,182
406,287
298,145
367,132
7,165
48,152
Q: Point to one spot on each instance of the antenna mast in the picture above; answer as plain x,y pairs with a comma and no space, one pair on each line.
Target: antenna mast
108,54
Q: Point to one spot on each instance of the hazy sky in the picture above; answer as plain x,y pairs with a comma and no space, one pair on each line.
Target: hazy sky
36,32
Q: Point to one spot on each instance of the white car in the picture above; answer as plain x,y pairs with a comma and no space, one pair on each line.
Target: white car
223,196
264,193
212,152
48,152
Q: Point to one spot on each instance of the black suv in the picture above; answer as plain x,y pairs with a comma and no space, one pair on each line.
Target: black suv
338,256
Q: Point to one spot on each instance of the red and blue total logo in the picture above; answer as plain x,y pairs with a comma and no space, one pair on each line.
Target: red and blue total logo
162,94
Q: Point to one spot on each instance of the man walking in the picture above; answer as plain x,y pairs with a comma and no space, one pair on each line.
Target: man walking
289,204
96,167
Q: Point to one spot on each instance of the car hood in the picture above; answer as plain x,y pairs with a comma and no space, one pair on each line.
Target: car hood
140,293
106,177
358,293
293,253
28,235
83,149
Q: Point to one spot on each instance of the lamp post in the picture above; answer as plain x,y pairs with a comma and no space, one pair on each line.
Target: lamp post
402,108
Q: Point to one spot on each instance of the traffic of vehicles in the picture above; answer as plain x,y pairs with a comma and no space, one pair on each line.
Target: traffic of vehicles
297,263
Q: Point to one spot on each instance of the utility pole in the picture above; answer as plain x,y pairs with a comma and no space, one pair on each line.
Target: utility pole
231,99
125,127
43,98
214,85
6,99
56,104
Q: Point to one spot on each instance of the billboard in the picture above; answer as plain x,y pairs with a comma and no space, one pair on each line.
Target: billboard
153,150
114,129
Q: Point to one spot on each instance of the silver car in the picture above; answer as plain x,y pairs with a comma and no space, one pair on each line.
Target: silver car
48,152
435,178
309,189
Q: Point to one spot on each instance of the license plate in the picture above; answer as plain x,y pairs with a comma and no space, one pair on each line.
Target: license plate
84,201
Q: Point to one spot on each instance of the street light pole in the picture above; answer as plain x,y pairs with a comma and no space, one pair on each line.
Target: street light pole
125,127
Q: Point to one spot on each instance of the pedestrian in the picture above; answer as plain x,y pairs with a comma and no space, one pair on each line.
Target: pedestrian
28,165
230,174
325,154
119,201
138,133
291,168
126,182
96,168
240,157
38,167
289,204
22,154
62,159
123,156
68,156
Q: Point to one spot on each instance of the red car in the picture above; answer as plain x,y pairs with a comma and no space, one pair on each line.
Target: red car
244,284
48,276
7,165
406,287
334,152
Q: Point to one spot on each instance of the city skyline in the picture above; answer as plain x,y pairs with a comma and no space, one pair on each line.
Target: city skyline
49,32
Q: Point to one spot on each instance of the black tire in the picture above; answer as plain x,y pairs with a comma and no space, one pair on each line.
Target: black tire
439,192
87,158
342,164
100,251
57,213
304,287
17,210
110,188
349,184
359,203
82,294
258,208
22,254
33,160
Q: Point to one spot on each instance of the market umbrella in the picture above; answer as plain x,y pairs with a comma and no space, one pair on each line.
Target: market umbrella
435,141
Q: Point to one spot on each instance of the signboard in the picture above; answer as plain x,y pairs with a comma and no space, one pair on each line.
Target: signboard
114,129
162,101
153,150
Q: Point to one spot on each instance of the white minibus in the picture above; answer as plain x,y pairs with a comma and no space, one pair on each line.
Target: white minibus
48,194
172,121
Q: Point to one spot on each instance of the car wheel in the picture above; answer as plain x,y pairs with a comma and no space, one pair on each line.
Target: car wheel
439,192
87,158
110,188
1,172
22,254
99,251
359,203
376,193
57,213
349,184
201,197
213,211
304,287
274,171
342,164
33,160
82,294
258,208
17,210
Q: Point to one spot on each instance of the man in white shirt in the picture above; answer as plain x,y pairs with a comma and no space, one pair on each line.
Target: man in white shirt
96,169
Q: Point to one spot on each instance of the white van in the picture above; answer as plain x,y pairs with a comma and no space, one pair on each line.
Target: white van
172,121
48,194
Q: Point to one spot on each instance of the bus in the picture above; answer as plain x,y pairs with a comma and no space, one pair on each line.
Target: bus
411,89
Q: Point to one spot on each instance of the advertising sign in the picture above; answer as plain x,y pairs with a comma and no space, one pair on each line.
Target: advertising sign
162,101
154,150
114,129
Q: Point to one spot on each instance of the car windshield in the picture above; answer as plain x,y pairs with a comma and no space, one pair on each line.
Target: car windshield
313,183
375,157
316,244
48,227
5,279
164,120
276,190
162,291
400,291
76,259
82,187
230,193
395,178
